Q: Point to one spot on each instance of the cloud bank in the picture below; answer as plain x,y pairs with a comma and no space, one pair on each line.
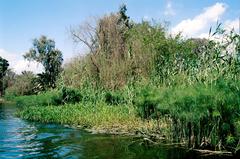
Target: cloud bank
18,64
198,24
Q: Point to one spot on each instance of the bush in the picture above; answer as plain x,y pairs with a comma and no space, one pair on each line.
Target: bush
114,98
22,85
53,97
41,99
147,102
67,95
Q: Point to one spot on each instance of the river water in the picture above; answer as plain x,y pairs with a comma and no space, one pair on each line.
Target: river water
23,139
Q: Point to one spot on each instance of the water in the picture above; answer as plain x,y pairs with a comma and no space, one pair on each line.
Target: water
23,139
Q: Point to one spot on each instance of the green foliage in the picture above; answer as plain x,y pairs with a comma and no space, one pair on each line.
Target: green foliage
114,98
230,140
44,52
193,84
204,111
147,102
3,68
9,78
67,95
124,18
99,117
21,85
53,97
41,99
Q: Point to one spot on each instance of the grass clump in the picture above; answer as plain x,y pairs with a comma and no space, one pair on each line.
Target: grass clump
41,99
111,119
114,98
202,115
67,95
54,97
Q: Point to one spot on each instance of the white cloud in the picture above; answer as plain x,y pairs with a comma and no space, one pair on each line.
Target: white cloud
6,55
204,35
228,25
23,65
169,9
18,64
201,22
232,24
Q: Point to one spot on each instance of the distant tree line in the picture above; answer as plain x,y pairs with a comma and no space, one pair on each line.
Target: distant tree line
44,52
3,69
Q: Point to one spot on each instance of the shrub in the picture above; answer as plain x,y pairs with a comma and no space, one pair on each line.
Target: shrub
147,102
22,85
114,98
67,95
41,99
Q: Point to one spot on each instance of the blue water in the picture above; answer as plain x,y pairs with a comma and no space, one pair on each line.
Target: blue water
23,139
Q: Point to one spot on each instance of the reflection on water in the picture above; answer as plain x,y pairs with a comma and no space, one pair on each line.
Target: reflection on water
22,139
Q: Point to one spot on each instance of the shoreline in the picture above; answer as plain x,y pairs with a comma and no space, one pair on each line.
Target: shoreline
120,120
154,139
103,119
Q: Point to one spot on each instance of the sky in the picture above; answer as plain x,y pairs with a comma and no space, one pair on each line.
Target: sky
23,20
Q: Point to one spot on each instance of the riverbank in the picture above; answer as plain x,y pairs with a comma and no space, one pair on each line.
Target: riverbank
100,118
21,139
103,119
172,113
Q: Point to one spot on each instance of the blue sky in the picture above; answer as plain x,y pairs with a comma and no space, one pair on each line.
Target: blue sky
23,20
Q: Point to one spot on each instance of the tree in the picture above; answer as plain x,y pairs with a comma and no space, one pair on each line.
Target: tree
44,52
22,84
106,40
123,16
9,79
3,68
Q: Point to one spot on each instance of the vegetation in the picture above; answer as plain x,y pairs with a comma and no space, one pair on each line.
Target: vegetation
3,68
136,76
19,85
41,99
100,118
205,116
44,52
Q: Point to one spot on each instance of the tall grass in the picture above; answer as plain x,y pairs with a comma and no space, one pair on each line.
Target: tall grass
42,99
110,119
203,115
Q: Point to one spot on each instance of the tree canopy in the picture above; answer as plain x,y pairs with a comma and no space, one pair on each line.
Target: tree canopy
45,52
3,68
